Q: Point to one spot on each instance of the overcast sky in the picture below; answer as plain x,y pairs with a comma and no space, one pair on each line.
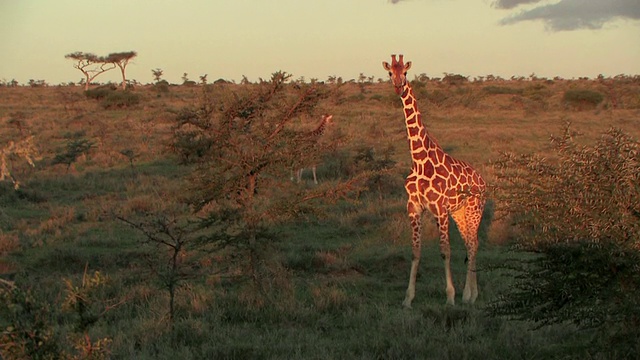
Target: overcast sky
320,38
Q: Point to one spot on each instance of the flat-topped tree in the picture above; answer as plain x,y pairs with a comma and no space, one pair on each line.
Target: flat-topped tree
121,60
90,65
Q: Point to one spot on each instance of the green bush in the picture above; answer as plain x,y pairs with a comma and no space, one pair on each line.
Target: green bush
100,92
582,98
73,149
162,86
26,323
580,215
120,99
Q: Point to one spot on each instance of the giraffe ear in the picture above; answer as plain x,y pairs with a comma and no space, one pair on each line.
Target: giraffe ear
386,66
407,66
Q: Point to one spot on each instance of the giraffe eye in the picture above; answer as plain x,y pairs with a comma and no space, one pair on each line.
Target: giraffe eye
390,74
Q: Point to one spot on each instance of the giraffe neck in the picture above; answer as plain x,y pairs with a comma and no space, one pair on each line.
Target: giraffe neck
320,129
420,141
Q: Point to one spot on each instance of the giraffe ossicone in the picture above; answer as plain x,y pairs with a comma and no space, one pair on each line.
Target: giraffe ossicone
441,184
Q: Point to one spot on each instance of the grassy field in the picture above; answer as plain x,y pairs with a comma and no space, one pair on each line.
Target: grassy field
339,279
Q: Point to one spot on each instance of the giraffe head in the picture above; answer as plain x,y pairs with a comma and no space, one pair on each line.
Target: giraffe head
397,72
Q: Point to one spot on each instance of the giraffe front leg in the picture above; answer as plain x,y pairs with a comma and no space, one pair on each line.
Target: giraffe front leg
415,259
445,252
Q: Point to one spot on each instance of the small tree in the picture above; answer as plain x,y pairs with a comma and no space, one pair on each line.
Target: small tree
73,149
90,65
173,243
157,74
121,60
203,79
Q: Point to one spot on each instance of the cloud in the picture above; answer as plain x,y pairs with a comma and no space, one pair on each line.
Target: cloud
510,4
573,14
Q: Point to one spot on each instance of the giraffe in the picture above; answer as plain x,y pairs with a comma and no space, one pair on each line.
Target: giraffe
441,184
314,134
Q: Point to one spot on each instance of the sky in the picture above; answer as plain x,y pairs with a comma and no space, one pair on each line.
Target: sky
309,39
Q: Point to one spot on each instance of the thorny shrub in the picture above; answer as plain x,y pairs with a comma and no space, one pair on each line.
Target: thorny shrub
580,216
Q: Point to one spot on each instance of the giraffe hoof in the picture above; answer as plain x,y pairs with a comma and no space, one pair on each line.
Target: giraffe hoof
451,302
406,304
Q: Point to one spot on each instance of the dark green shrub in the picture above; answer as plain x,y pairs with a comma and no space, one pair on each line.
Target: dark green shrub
593,285
582,99
27,325
100,92
162,86
190,145
73,149
120,99
581,215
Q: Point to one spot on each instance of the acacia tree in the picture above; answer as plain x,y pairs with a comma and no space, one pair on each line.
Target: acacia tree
157,74
90,65
121,60
247,148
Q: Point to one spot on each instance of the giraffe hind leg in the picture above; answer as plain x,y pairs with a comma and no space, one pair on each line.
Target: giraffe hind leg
468,221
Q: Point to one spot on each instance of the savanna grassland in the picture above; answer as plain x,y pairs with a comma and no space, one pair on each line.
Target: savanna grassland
85,274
